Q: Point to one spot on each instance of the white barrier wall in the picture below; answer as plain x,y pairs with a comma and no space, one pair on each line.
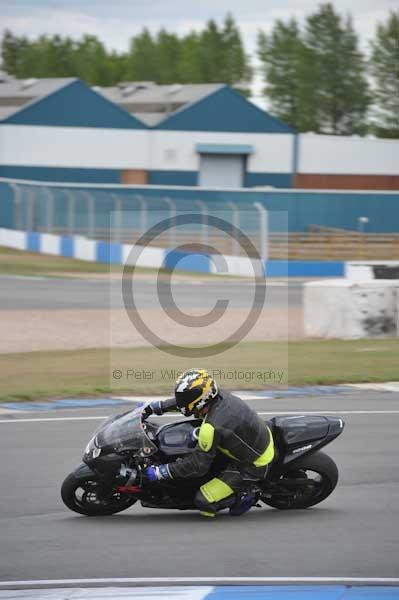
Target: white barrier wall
363,270
341,308
13,239
82,248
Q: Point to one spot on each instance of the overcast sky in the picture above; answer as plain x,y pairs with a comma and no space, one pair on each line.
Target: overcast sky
115,21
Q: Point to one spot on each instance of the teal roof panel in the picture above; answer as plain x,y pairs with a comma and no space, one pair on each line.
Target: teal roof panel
224,110
74,105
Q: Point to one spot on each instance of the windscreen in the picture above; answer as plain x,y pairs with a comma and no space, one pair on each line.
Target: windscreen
126,433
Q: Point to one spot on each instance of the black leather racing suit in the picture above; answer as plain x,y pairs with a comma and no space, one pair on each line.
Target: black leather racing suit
233,428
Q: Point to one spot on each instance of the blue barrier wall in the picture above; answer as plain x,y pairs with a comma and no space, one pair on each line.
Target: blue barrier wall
186,261
304,268
302,208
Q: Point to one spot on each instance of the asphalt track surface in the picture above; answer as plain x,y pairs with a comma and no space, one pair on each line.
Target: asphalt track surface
354,533
40,293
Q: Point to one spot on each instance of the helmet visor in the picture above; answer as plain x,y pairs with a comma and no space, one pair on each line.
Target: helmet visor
186,400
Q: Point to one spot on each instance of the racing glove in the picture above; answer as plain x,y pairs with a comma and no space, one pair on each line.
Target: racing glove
153,408
158,473
158,407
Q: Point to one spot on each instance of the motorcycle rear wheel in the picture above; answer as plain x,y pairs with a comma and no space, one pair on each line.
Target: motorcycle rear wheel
304,483
83,493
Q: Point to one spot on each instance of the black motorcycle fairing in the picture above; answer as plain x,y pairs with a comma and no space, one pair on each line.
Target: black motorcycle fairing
298,435
335,426
297,429
121,434
126,433
83,470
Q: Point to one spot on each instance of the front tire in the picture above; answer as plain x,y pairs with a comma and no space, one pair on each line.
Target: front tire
83,493
304,483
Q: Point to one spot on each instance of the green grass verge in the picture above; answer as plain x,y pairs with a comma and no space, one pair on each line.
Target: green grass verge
89,372
20,262
34,264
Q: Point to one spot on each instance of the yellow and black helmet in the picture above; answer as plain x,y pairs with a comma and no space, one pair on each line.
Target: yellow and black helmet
194,389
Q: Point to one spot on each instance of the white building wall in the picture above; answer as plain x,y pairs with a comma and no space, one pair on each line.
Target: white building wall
74,147
176,150
330,154
134,149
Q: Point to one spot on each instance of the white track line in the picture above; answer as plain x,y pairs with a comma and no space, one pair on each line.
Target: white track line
205,580
168,416
334,412
146,399
42,420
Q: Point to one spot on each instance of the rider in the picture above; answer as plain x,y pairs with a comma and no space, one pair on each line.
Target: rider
228,425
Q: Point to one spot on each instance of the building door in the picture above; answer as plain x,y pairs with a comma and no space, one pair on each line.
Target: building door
221,170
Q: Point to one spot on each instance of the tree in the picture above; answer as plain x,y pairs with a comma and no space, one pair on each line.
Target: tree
142,60
287,72
211,53
235,68
168,50
316,80
342,98
190,62
384,67
90,61
11,53
15,53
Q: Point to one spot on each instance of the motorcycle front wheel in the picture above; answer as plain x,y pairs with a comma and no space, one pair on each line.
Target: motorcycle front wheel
306,482
83,493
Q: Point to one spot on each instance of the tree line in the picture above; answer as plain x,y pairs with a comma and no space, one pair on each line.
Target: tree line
316,78
215,54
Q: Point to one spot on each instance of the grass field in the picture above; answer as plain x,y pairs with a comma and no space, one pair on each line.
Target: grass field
89,372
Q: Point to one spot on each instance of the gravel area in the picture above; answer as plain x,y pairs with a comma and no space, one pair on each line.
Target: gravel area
35,330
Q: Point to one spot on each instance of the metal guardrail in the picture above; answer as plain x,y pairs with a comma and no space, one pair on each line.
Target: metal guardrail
101,214
111,215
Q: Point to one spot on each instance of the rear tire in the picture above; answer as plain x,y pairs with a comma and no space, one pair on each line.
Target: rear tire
287,496
82,493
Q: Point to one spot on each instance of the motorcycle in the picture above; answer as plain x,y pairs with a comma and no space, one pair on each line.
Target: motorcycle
299,477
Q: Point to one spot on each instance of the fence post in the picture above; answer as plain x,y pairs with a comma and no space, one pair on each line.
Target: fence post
236,224
263,231
90,215
30,213
172,230
71,211
49,210
16,200
204,229
117,220
143,215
